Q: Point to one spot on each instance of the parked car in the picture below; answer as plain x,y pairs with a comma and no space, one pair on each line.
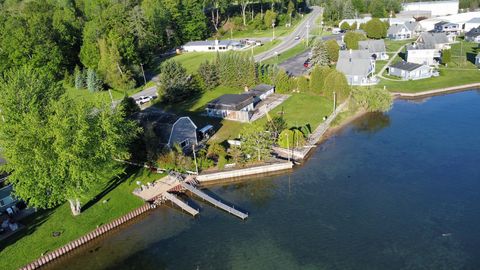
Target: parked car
297,37
144,99
206,132
306,64
336,31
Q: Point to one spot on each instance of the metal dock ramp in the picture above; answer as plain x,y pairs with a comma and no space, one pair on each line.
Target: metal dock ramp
180,203
215,202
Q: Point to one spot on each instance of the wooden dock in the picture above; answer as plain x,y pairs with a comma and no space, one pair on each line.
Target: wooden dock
213,201
180,204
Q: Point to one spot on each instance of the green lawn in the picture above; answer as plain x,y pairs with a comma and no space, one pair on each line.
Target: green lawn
448,78
460,71
303,108
37,238
280,30
394,45
102,95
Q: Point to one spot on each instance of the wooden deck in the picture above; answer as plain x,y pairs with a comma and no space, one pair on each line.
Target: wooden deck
159,187
180,203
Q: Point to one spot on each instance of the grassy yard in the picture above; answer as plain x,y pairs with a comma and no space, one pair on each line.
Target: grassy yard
37,238
280,30
394,45
302,109
448,78
460,71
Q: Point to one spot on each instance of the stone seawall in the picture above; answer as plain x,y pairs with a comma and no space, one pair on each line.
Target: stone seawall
85,239
244,172
435,92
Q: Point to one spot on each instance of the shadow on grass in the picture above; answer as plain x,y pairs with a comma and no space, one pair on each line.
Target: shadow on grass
111,185
31,223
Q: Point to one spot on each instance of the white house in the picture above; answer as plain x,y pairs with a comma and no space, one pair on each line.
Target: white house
437,41
436,8
477,60
358,67
410,71
212,46
357,21
403,31
421,54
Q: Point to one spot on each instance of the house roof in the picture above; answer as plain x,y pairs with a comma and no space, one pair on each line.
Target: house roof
6,191
262,88
478,55
158,121
412,26
354,66
356,54
232,102
395,28
474,20
474,32
402,65
444,23
372,45
431,39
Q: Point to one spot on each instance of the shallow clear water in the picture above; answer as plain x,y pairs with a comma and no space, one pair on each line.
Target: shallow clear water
394,191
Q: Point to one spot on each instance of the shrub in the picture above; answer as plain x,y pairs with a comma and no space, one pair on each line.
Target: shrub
336,82
345,26
373,99
291,138
375,28
283,82
303,84
317,79
332,50
351,40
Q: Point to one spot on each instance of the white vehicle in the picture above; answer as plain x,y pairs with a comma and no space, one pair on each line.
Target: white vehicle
297,37
336,31
143,99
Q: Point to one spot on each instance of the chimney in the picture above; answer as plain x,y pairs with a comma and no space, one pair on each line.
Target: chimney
216,42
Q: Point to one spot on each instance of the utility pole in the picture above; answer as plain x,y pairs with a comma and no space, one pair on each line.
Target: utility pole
308,32
273,26
195,158
143,72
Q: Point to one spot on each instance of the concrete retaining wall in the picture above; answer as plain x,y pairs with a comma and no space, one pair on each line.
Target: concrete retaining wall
245,172
85,239
440,91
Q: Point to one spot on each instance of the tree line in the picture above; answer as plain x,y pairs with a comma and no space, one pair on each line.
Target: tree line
116,38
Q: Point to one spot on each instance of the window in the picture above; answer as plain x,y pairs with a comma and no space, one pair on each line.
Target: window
184,143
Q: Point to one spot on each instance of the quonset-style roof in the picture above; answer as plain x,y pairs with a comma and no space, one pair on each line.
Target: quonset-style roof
402,65
158,121
372,45
231,102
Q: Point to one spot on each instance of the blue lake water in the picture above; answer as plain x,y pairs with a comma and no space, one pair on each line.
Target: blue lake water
391,191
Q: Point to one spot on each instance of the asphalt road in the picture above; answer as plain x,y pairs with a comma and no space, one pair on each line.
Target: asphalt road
289,41
294,66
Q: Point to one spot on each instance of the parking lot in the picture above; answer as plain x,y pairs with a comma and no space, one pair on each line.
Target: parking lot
294,66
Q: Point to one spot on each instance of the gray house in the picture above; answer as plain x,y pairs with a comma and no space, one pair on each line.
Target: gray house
447,27
236,107
358,67
375,47
410,71
404,31
239,107
437,41
473,35
166,129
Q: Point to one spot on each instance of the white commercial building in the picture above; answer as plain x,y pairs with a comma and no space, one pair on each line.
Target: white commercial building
212,46
461,18
437,8
472,23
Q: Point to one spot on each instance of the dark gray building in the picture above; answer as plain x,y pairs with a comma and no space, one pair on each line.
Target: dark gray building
162,129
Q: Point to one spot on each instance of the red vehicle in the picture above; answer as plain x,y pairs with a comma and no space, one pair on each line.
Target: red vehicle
306,64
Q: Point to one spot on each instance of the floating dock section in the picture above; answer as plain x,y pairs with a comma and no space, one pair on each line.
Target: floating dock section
187,208
213,201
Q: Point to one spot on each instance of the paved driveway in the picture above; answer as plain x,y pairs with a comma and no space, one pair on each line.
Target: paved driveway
294,66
